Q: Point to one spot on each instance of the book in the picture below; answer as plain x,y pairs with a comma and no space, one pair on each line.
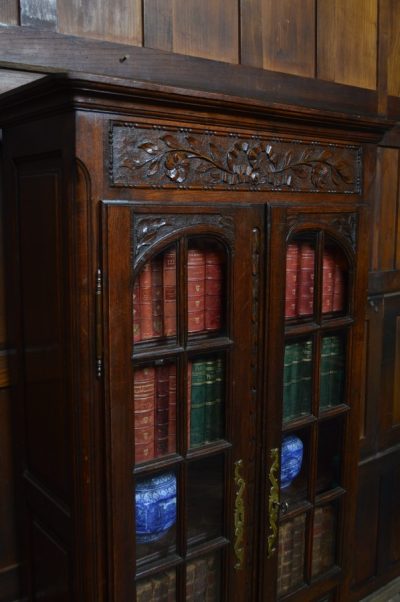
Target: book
338,285
196,268
188,401
306,378
292,379
292,267
201,580
157,296
211,402
160,588
172,408
305,288
291,548
169,292
323,540
144,404
328,274
137,334
197,404
331,371
219,405
213,290
146,302
162,410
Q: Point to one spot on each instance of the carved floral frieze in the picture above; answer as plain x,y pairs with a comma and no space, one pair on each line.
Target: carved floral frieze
150,156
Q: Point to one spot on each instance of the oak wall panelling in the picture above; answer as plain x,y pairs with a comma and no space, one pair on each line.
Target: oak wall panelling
9,12
279,35
347,41
207,29
394,48
39,14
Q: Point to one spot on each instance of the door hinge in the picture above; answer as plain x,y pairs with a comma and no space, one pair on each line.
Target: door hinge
99,323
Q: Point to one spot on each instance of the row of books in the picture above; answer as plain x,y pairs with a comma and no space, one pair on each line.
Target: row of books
154,295
155,407
202,584
154,390
300,270
291,548
297,379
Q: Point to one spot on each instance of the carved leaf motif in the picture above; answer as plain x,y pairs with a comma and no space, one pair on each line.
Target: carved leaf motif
149,147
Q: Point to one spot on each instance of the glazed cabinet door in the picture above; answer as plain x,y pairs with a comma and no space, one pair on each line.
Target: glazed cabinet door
181,324
314,347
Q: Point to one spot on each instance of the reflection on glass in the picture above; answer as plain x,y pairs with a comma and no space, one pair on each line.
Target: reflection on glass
299,292
206,275
332,372
329,455
159,588
154,298
291,554
155,513
203,576
324,539
297,379
205,499
333,280
205,400
154,390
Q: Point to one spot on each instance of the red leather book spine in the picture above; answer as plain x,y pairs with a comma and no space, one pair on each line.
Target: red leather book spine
196,267
305,295
137,335
157,296
292,272
172,408
146,301
169,288
161,426
328,271
144,410
338,287
213,291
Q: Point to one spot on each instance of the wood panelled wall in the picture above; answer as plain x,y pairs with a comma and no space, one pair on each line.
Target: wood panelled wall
353,42
335,40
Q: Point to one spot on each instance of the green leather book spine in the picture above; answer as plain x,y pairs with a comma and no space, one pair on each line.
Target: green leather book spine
296,379
306,378
287,379
211,401
325,372
219,413
198,399
337,371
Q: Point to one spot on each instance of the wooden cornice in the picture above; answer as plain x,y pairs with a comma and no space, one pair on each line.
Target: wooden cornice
46,51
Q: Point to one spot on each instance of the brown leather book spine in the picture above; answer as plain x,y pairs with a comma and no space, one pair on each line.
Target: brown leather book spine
213,291
328,272
169,289
162,408
338,286
144,410
292,273
157,296
172,408
305,294
137,335
146,301
196,267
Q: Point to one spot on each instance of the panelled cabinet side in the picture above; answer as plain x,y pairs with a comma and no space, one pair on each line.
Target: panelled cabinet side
148,254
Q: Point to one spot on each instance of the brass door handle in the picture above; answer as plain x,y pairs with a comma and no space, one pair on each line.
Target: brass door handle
239,515
273,503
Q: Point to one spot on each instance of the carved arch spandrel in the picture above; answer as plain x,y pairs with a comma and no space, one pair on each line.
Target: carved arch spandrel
344,225
148,156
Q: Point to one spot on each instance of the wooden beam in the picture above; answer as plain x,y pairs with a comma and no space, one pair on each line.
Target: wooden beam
10,79
46,51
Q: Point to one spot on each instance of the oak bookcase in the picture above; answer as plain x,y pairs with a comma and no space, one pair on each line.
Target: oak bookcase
187,289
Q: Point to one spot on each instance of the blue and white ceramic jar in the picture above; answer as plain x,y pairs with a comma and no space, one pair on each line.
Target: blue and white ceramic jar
291,459
155,503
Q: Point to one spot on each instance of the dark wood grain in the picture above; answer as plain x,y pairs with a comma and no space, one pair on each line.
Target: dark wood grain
279,35
347,42
394,49
120,21
9,12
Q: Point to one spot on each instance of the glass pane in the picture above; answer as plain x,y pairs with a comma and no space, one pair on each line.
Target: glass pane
205,499
300,275
324,539
160,588
155,512
154,298
332,371
203,577
206,267
154,391
294,467
291,554
329,455
297,379
334,280
205,399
